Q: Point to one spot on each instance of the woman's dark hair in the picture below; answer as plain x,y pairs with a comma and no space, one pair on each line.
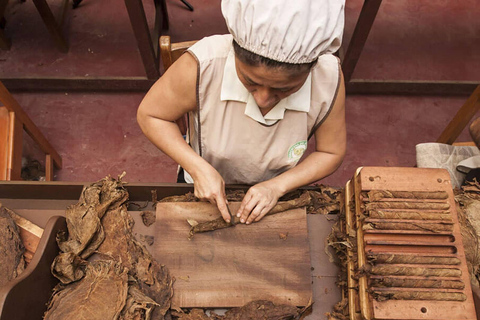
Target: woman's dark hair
254,59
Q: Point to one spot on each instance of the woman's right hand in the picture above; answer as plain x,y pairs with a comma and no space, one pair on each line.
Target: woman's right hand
209,186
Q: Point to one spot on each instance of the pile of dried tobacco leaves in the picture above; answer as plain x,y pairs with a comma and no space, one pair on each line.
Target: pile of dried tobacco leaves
11,254
104,272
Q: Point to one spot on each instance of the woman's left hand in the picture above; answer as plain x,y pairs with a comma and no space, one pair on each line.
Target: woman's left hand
258,201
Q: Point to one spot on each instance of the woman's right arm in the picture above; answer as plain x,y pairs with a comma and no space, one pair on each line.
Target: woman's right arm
169,99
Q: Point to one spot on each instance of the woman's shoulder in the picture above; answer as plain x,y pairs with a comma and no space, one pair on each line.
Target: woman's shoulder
212,47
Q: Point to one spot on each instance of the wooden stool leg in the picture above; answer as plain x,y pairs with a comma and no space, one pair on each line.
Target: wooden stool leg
51,24
461,119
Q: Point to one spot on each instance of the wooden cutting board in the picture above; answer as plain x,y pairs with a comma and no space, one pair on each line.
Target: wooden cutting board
231,267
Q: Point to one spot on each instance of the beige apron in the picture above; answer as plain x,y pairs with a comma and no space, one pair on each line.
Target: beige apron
241,149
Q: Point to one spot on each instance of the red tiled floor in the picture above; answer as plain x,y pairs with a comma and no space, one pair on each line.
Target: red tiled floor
97,134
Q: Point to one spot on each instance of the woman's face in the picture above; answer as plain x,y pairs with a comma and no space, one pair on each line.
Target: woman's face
269,85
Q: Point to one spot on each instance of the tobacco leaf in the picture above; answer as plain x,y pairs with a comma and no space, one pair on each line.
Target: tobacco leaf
68,267
101,294
138,305
148,217
12,262
85,232
194,314
153,279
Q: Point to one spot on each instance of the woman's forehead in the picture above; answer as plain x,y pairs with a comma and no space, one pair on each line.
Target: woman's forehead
271,76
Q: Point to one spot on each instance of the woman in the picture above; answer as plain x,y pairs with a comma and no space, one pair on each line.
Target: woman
254,98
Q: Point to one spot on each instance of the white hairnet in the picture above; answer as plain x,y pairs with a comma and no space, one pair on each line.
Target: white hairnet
289,31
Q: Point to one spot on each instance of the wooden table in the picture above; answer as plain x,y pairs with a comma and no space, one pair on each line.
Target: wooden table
38,201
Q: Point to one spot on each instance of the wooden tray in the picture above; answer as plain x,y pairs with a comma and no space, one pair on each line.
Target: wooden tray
25,297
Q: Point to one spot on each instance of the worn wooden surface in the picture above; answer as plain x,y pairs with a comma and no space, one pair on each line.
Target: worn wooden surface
230,267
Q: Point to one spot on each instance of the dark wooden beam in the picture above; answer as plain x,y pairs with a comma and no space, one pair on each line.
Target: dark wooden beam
359,37
96,84
398,87
53,26
141,30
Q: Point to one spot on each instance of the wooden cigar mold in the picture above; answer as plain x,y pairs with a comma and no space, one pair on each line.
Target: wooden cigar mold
407,260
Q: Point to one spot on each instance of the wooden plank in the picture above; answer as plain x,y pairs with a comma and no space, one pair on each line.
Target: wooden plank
15,148
461,118
410,87
12,105
96,84
141,31
4,128
359,37
230,267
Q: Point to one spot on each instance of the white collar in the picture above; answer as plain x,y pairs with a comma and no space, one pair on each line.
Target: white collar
233,89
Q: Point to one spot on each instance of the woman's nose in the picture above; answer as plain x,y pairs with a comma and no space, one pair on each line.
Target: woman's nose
263,97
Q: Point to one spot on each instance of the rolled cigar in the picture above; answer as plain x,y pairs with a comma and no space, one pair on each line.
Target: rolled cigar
417,283
393,270
411,259
419,295
408,215
376,195
432,227
408,205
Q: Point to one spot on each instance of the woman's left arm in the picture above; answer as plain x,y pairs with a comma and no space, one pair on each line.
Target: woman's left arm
330,147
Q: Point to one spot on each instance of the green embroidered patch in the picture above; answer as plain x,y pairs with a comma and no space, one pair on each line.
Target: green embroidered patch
296,151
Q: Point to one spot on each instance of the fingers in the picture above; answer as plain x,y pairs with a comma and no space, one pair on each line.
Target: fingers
254,210
222,207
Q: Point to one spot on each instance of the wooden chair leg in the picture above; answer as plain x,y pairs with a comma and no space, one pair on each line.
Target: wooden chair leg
5,43
15,148
4,126
49,168
461,119
11,145
53,27
141,31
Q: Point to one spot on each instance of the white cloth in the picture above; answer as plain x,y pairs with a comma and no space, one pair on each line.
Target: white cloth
284,30
445,156
233,89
